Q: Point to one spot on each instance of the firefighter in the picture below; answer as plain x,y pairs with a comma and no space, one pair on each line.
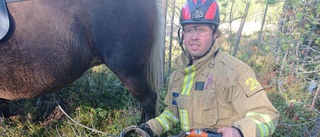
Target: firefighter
212,89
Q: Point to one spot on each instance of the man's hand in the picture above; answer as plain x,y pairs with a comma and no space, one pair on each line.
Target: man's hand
229,132
146,127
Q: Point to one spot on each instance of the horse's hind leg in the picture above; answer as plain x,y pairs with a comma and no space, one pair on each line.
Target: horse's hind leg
138,86
130,66
124,40
4,108
130,63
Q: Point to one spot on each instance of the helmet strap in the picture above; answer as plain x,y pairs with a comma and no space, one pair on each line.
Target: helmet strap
180,37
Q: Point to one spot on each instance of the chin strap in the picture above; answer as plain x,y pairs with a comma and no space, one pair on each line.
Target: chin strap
180,37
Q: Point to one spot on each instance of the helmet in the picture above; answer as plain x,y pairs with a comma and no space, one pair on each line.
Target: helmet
200,12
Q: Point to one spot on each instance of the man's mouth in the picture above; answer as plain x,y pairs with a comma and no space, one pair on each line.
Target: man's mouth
195,46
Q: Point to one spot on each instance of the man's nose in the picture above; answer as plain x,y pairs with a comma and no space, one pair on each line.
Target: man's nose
195,35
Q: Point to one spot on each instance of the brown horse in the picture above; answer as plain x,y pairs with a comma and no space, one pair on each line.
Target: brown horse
51,43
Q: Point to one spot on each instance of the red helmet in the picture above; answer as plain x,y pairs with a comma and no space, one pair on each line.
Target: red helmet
200,12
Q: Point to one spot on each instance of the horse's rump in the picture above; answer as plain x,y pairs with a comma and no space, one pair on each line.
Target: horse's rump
52,43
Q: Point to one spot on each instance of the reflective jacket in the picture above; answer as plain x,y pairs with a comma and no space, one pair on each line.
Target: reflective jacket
216,91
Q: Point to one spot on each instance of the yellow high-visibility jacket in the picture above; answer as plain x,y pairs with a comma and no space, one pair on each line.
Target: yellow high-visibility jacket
216,91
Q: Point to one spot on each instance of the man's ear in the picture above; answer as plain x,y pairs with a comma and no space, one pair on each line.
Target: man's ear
217,34
214,36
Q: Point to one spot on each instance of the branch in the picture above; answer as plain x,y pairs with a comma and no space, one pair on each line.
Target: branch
77,123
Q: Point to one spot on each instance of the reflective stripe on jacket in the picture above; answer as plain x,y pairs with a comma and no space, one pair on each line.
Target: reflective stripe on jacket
214,93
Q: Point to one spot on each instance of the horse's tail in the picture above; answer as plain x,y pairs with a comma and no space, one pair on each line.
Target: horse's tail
155,69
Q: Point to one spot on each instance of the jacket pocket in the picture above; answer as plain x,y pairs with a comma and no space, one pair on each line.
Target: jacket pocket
210,113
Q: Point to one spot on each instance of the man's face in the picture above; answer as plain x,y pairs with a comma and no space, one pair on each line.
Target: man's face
197,39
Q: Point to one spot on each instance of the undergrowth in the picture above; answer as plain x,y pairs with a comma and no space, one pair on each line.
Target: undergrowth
99,100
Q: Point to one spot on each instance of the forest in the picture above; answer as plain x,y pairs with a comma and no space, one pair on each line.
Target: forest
279,39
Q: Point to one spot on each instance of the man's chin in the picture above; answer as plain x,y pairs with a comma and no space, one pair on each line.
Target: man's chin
195,56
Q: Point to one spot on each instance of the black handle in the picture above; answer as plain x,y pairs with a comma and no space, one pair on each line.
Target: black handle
214,135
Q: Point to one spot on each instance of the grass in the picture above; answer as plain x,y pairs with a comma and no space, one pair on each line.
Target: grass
99,100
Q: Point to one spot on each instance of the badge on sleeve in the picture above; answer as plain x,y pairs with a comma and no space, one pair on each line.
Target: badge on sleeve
253,85
174,97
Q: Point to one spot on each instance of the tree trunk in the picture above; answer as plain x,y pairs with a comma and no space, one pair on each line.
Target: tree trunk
281,27
243,20
263,21
171,35
165,12
230,27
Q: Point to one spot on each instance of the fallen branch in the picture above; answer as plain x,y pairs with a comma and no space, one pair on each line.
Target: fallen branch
315,96
79,124
316,129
